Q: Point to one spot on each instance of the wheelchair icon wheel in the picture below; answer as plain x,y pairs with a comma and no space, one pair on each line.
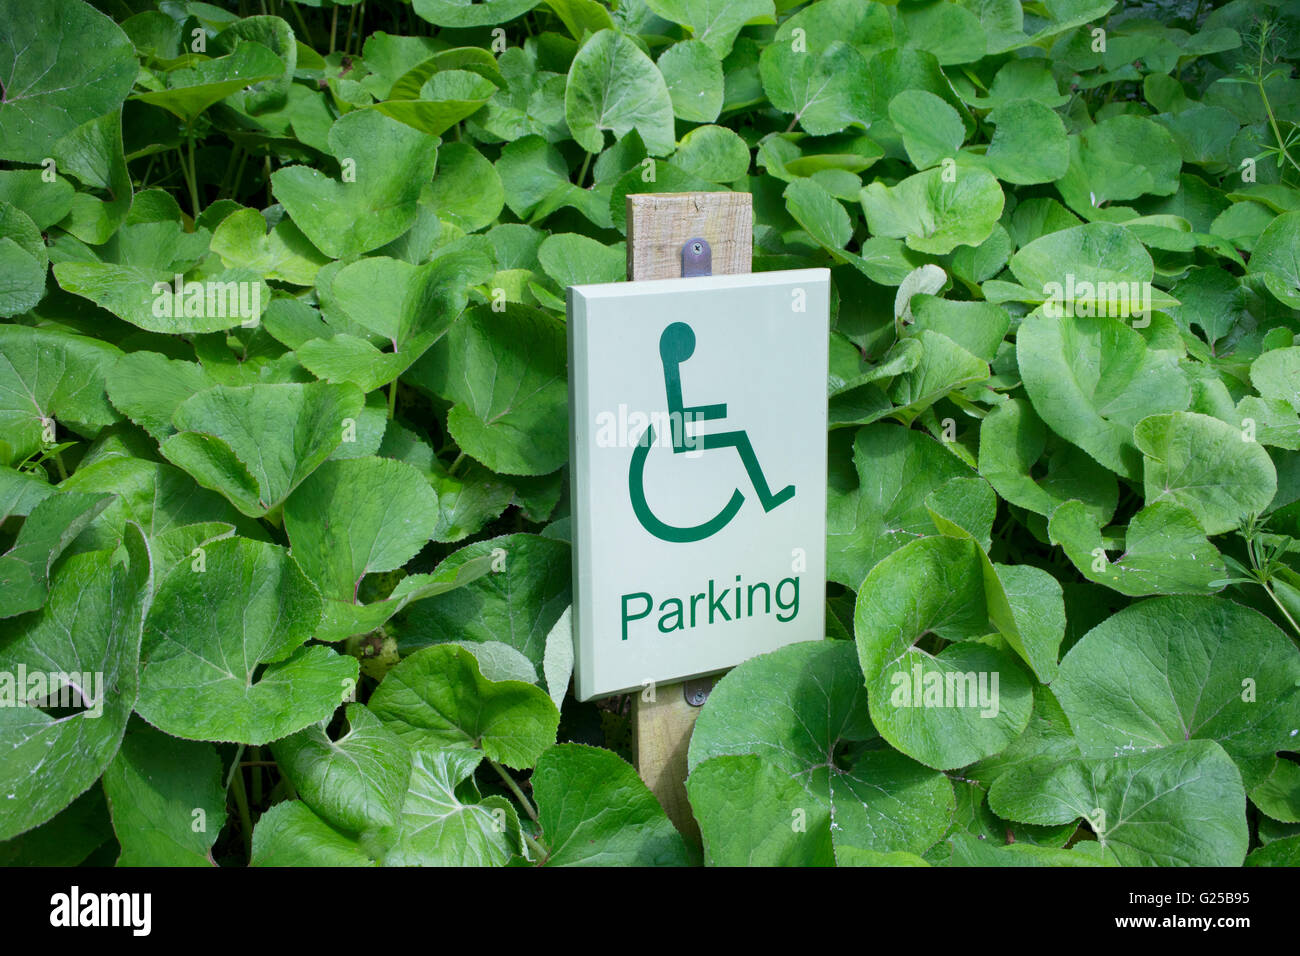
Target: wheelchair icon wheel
661,529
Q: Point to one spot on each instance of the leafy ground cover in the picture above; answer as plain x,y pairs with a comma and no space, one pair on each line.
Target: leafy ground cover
284,559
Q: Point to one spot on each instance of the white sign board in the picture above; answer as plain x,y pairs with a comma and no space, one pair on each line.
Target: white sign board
698,473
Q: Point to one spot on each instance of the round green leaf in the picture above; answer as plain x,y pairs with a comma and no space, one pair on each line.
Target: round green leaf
166,798
46,377
222,651
714,23
1207,466
1275,258
936,210
694,78
799,708
437,698
1093,379
384,165
357,782
714,153
614,86
595,811
1182,668
64,64
1139,804
948,709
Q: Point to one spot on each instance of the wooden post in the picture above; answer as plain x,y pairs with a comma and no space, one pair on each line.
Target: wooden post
658,225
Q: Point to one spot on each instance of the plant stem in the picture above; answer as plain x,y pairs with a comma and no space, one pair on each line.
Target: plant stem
455,464
234,767
239,175
306,31
190,172
582,173
352,22
514,788
1268,108
241,804
1285,613
392,398
255,765
334,25
537,848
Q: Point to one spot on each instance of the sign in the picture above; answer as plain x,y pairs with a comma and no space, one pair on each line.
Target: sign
698,473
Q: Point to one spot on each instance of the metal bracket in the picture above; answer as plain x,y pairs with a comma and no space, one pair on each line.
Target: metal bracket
697,258
697,691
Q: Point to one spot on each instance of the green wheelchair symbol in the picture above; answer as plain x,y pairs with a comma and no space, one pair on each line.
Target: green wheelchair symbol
676,345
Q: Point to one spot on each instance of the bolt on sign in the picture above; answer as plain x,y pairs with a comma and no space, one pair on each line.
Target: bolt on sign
698,472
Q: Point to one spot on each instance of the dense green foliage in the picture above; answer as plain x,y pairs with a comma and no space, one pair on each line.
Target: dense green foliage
283,401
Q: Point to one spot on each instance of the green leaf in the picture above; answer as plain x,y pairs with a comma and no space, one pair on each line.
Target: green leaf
223,656
1275,258
1285,852
1095,259
714,22
167,800
948,709
752,813
357,782
595,811
1093,379
825,88
1276,375
284,253
64,64
187,91
52,525
572,259
146,296
466,13
1120,158
897,468
799,708
89,633
1013,440
384,164
518,603
25,258
1029,144
1205,465
436,697
505,372
536,181
932,214
401,305
47,378
391,514
446,98
931,129
557,659
969,850
440,828
949,31
614,86
1145,802
467,190
148,388
1182,668
694,79
819,213
714,153
222,433
289,834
